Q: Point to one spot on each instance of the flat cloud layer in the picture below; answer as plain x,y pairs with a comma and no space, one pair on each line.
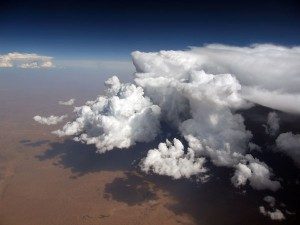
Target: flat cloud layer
25,60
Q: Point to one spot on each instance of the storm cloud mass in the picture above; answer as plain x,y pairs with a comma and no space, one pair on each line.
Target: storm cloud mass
198,92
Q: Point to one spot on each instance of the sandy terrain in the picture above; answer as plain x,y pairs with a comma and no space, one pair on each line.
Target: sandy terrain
45,180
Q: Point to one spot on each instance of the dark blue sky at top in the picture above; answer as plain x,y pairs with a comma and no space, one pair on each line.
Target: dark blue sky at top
112,29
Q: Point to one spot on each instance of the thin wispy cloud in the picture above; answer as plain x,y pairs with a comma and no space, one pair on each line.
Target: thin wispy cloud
67,103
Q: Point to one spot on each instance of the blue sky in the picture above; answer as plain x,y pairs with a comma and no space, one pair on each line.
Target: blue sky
110,30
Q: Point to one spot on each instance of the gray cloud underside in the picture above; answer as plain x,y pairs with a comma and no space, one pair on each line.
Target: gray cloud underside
289,144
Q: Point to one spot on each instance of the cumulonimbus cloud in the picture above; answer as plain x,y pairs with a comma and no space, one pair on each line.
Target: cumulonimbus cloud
26,60
198,92
202,107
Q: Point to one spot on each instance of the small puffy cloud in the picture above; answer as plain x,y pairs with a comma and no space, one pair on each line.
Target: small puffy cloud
270,200
261,177
272,126
276,214
289,143
119,119
69,102
51,120
171,160
273,213
258,174
25,60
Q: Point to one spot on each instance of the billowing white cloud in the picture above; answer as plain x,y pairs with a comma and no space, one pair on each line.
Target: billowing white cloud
258,174
69,102
51,120
120,119
171,160
289,143
25,60
262,70
272,126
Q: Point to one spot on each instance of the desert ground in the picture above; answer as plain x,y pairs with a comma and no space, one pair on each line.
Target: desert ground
46,180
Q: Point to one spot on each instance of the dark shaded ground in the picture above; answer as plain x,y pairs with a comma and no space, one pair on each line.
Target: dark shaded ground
83,159
133,189
34,143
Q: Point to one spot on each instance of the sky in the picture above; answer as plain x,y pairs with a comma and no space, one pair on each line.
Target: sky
111,30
